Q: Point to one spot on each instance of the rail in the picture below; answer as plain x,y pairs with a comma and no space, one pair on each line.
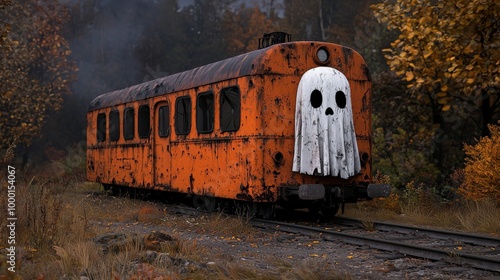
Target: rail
481,262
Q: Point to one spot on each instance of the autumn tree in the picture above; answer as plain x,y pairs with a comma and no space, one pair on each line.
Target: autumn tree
402,134
243,28
35,72
447,52
482,167
4,27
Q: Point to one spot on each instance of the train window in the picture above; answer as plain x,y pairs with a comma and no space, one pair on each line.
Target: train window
183,115
230,109
114,125
143,121
205,112
128,123
163,123
101,127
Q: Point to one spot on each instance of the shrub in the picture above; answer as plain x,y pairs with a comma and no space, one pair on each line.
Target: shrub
404,156
482,168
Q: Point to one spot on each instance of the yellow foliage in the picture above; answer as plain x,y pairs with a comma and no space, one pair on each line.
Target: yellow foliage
392,202
238,35
482,167
446,108
452,45
35,68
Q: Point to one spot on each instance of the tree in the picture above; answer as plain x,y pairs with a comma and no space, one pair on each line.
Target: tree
402,134
36,70
482,168
447,52
4,27
243,28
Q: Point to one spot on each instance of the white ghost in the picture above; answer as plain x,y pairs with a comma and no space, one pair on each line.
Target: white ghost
325,141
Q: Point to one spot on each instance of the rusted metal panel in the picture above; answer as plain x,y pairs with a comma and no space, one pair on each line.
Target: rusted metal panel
248,164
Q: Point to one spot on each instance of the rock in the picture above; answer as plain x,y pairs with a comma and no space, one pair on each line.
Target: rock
284,238
114,242
154,240
149,256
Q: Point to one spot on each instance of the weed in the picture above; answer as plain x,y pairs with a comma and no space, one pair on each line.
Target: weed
480,216
368,225
417,208
40,208
187,249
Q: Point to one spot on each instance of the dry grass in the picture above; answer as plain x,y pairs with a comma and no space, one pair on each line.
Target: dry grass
61,219
222,224
473,216
480,216
420,205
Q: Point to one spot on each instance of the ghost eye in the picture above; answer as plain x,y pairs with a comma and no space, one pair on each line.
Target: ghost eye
340,99
316,98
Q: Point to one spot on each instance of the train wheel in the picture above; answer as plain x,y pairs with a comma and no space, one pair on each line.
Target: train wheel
199,202
266,210
244,209
331,211
106,187
117,190
210,203
206,203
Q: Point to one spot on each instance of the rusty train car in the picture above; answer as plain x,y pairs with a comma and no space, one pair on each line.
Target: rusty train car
288,124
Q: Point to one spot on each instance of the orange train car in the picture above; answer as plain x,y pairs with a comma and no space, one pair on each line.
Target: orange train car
288,124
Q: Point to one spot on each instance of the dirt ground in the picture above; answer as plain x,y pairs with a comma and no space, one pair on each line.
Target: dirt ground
218,247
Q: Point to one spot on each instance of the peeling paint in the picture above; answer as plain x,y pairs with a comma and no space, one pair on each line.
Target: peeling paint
239,164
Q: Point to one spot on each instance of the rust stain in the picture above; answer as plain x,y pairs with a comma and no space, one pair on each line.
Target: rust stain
250,163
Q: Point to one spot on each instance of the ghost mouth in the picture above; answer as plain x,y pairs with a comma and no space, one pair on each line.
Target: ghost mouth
329,111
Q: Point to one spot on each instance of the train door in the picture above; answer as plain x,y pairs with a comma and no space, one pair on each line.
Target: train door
162,155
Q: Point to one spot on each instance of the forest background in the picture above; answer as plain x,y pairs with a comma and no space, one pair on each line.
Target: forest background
434,65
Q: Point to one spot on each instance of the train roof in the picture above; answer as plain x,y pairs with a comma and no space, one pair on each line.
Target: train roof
241,65
246,64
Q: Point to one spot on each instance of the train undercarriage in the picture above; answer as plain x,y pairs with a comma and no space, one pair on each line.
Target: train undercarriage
314,197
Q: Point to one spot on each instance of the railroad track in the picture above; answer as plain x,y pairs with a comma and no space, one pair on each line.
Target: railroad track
484,256
477,251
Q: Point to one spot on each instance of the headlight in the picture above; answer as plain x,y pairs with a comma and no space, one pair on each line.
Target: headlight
322,55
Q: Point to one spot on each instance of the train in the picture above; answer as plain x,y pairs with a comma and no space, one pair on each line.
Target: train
287,125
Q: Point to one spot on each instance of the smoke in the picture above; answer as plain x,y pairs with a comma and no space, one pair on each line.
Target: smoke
103,36
106,34
119,43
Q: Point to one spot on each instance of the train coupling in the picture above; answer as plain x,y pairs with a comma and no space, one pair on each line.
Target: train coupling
378,190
